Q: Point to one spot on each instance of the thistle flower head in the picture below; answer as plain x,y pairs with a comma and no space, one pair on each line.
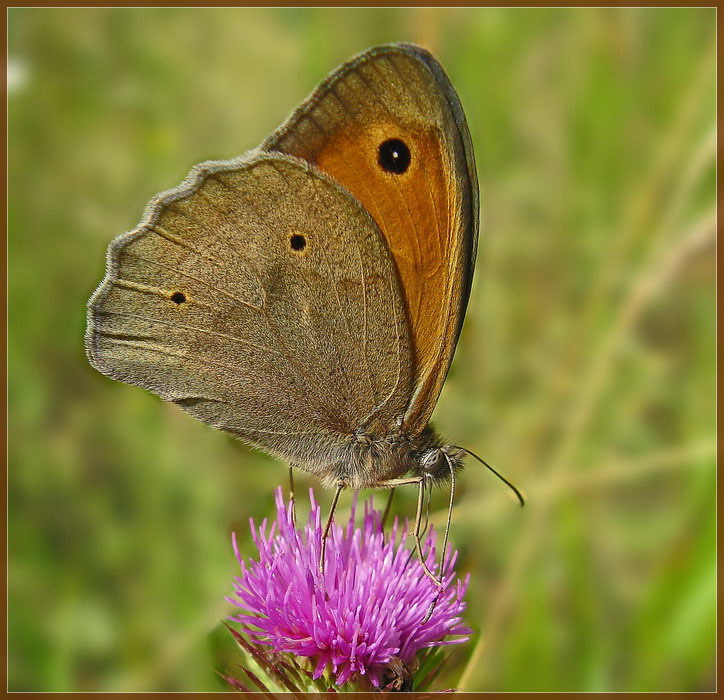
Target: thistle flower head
365,612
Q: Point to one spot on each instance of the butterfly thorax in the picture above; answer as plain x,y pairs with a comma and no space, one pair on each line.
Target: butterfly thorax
371,460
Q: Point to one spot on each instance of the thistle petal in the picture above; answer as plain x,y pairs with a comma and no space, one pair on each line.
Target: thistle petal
367,608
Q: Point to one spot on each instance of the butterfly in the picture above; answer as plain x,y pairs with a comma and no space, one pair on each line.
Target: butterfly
307,296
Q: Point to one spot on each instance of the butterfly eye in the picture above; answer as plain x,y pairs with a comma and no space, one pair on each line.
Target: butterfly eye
394,156
178,297
298,242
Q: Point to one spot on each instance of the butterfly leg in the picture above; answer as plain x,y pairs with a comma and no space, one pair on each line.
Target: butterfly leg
391,483
328,526
423,532
387,508
445,540
291,495
418,525
420,481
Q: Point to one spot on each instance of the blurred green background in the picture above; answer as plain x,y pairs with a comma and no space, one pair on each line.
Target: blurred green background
585,371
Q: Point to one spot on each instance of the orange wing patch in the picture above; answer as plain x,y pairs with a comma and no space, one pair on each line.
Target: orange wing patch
411,209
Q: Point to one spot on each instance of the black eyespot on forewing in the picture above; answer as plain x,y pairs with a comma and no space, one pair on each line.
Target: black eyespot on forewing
393,156
178,298
298,242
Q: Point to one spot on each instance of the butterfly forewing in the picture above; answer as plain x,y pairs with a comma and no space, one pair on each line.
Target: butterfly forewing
388,126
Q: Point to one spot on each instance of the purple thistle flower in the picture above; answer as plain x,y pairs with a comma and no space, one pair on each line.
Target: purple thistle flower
364,612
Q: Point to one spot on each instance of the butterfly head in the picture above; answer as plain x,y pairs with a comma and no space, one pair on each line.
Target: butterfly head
437,462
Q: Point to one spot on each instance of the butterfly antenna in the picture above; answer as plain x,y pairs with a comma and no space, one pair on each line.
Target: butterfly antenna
498,474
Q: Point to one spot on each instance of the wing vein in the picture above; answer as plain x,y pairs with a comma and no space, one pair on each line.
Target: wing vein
363,276
170,324
196,279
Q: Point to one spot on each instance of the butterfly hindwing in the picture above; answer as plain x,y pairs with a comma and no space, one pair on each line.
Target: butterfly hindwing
261,298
